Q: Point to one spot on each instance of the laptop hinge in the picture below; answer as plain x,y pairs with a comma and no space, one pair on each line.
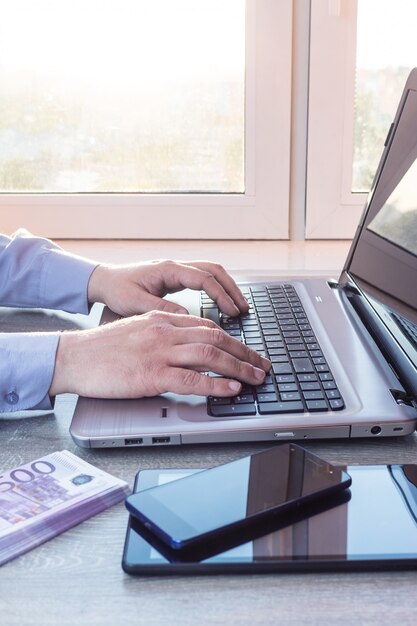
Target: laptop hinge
344,283
397,359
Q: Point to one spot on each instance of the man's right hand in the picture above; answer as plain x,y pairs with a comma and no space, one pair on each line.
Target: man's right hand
151,354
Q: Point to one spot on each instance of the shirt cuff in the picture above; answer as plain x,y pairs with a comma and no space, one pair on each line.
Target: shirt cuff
64,283
27,362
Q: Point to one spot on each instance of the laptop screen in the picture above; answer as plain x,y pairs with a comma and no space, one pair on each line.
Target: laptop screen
383,258
396,221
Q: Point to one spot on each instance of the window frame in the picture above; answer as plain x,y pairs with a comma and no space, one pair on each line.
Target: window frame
262,212
332,209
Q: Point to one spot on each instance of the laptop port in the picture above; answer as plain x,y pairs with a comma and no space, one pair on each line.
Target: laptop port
135,441
161,440
375,430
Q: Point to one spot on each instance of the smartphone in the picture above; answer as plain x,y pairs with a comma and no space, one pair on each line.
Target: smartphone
201,508
373,529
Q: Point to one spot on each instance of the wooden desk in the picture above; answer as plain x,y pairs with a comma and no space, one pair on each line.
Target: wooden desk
76,578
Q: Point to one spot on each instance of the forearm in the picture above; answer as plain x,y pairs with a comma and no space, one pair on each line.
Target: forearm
27,362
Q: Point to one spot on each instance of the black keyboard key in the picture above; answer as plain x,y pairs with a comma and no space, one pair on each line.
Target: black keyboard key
302,366
280,407
307,378
290,396
216,400
316,405
333,394
267,397
244,398
277,351
265,389
313,395
219,410
281,368
252,334
251,341
282,387
278,358
310,386
336,405
211,313
325,376
233,332
329,384
285,378
298,354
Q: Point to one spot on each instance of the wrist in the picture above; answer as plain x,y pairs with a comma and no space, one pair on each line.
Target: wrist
96,291
65,363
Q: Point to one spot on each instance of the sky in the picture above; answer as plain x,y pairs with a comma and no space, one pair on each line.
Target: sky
386,33
155,38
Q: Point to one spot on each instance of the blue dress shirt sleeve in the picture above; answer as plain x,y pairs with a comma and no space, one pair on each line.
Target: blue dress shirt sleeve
27,363
36,273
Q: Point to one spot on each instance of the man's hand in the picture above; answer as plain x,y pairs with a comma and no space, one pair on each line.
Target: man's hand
131,289
152,354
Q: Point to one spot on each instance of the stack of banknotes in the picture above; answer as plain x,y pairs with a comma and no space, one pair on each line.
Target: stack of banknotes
45,497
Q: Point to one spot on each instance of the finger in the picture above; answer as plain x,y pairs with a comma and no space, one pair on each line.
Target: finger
185,381
214,336
181,275
206,357
183,320
226,281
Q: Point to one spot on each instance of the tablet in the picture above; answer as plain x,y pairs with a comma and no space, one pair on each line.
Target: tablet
375,529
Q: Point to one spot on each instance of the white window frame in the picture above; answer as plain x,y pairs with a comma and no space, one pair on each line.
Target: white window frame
332,210
262,212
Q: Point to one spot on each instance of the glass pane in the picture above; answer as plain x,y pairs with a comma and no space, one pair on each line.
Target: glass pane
386,52
122,96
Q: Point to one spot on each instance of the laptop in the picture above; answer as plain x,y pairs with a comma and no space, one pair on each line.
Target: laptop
343,352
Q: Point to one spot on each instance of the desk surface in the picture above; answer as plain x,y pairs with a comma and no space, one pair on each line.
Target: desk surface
76,578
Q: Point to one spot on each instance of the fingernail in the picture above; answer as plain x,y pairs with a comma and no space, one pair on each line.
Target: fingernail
259,374
235,386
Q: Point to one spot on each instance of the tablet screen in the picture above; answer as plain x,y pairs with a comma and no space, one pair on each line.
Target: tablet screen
377,526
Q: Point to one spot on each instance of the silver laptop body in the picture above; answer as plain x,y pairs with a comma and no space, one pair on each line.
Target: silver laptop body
365,324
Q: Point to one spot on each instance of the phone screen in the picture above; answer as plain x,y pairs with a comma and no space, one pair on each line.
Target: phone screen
235,494
375,529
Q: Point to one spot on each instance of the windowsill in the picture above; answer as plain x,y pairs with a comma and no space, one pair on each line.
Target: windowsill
236,256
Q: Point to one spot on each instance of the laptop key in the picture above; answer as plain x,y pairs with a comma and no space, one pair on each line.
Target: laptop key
245,398
280,407
211,313
267,397
302,366
310,386
216,400
336,405
281,368
290,395
265,388
316,405
219,410
313,395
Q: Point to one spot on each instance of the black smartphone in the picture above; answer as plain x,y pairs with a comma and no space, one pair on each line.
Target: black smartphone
201,508
373,529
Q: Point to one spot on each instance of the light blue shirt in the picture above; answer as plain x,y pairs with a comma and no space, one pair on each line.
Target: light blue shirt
35,273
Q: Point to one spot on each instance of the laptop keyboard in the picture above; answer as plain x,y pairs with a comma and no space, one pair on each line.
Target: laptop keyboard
409,328
277,327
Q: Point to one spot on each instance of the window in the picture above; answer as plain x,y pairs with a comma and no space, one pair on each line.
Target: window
358,67
145,118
